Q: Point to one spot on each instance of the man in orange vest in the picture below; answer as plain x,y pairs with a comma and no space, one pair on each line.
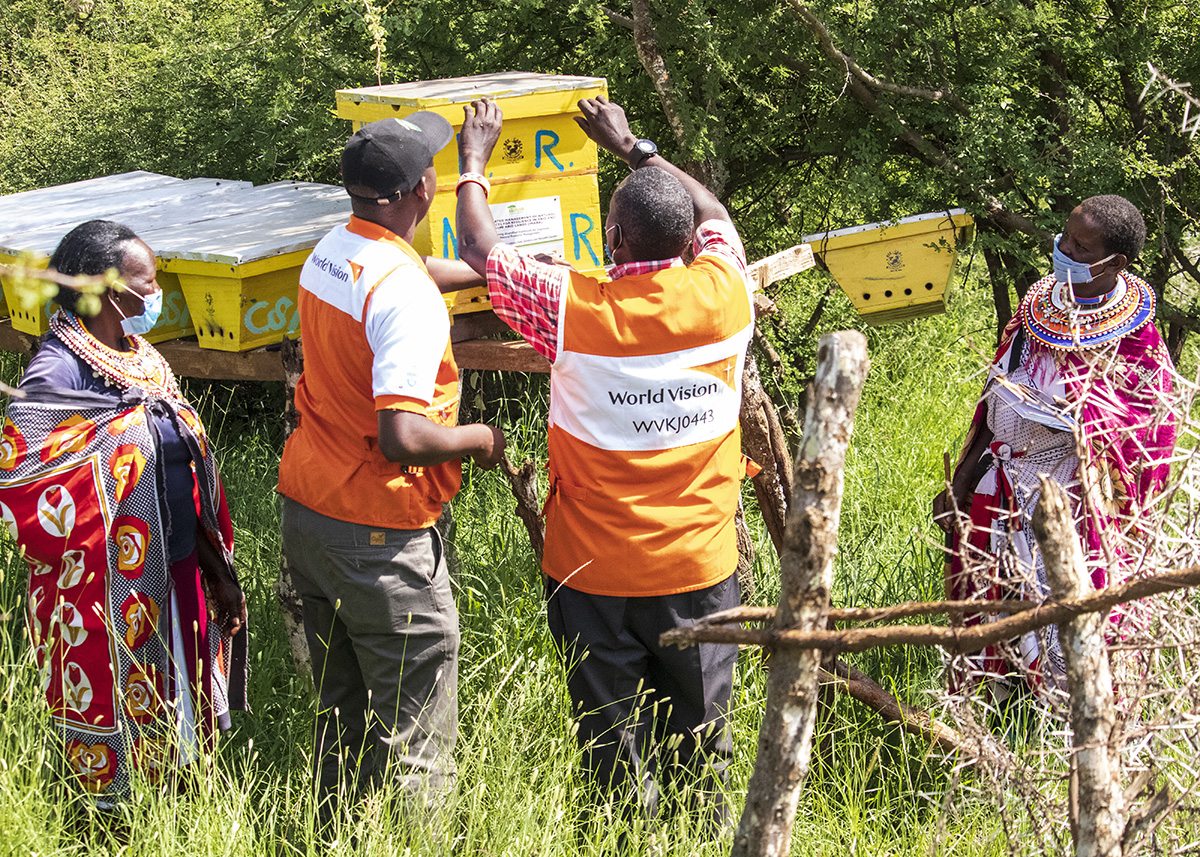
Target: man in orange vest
645,454
374,456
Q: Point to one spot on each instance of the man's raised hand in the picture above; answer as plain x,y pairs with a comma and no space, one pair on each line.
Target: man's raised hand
605,124
482,123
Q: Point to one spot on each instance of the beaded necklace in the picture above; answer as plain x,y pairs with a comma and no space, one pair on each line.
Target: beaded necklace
1052,316
142,367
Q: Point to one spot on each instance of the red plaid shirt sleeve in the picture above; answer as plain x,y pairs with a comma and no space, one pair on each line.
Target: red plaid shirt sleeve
526,295
720,238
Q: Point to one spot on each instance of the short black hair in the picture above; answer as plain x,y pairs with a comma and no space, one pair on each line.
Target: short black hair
1120,223
655,212
90,249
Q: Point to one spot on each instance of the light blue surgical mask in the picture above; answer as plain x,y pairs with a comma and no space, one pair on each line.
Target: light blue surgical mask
1067,270
143,323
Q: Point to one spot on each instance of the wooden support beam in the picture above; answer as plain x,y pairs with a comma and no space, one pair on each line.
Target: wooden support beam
781,265
506,356
189,360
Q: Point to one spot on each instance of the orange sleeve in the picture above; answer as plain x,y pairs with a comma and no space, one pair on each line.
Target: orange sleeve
401,403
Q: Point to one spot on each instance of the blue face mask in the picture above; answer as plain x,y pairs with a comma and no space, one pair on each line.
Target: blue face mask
1067,270
144,323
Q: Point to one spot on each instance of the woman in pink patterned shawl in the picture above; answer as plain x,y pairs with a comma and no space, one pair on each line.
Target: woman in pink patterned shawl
1079,391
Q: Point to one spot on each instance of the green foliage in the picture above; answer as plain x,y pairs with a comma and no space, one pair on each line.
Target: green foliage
1038,103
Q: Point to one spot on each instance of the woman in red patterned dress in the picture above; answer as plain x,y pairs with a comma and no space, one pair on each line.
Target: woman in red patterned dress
108,485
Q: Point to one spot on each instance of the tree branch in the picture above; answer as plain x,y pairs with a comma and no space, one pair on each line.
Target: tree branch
996,213
956,640
617,18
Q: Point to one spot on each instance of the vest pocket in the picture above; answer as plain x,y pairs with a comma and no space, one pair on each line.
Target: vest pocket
575,492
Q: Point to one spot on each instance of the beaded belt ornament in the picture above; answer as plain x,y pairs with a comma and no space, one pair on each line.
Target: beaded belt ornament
142,367
1049,319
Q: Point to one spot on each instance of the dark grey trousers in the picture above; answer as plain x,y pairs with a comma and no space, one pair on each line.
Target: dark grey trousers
383,632
648,713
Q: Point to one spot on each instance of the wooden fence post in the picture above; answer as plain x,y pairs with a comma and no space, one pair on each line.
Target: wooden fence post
763,440
1099,824
806,570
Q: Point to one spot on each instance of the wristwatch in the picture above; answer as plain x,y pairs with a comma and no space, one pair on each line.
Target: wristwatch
641,150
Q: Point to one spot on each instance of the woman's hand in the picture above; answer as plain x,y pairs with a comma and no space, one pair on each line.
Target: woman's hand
226,601
228,604
943,513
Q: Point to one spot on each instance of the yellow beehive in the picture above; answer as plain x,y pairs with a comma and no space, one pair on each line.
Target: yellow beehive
543,170
37,220
175,321
898,270
240,272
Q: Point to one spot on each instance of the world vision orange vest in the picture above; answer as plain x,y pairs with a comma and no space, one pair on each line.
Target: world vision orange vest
645,449
332,463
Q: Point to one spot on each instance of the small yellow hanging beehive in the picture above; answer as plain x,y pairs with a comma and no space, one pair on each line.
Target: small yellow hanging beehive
544,195
898,270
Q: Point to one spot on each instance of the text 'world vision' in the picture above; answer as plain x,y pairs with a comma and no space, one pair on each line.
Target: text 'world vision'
663,394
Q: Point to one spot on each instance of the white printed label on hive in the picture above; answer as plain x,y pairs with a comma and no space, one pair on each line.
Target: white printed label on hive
534,225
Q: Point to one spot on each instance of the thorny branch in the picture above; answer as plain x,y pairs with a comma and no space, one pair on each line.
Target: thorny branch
952,639
1190,124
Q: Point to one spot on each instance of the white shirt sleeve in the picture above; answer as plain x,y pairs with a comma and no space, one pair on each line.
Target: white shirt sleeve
408,329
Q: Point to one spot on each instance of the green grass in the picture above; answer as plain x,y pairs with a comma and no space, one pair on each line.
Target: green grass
519,789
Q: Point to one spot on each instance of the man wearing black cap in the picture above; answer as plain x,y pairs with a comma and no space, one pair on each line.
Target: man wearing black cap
375,455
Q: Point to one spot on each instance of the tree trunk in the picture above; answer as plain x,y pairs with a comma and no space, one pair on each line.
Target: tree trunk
523,483
806,569
999,279
1100,821
292,354
763,441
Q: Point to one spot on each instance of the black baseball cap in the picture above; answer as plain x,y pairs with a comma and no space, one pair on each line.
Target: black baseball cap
388,157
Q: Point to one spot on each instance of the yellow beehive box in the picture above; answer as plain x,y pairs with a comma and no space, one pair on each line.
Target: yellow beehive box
175,321
28,209
37,220
543,170
240,273
897,270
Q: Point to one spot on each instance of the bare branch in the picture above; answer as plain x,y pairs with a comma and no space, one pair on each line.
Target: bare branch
955,640
1190,124
617,18
876,614
863,688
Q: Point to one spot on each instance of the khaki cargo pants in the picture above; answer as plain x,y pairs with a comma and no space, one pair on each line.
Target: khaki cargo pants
383,632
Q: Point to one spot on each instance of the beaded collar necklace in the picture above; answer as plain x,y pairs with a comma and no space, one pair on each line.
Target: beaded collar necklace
142,367
1054,318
